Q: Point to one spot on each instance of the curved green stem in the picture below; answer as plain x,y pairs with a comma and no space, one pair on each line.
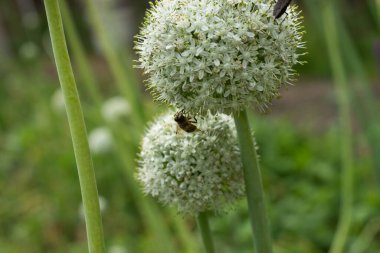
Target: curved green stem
77,129
125,82
84,69
342,93
253,186
204,227
125,149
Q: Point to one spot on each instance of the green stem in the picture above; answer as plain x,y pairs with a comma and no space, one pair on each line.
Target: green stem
77,129
84,69
342,93
253,186
375,8
125,83
126,149
204,227
185,236
363,241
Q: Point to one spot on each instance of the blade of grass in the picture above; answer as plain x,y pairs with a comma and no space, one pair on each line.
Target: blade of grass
148,210
125,84
188,243
84,69
366,109
366,237
342,95
126,150
374,6
77,129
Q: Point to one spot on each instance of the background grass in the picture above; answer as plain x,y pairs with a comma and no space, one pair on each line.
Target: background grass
300,140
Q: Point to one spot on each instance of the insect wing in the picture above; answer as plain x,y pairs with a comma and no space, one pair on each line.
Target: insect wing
280,8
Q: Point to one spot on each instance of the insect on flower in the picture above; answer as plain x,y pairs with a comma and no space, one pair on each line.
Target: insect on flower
280,8
185,122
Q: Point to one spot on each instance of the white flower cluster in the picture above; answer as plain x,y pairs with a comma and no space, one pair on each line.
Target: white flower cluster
218,55
115,108
100,140
196,171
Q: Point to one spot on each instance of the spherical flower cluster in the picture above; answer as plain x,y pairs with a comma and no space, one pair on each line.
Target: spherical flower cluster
58,102
195,171
218,55
115,109
100,140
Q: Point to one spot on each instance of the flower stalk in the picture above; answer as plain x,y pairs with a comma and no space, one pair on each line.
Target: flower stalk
88,79
204,227
77,128
193,172
253,185
127,86
343,99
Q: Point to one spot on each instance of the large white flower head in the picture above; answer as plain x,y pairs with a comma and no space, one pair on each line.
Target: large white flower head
193,172
218,55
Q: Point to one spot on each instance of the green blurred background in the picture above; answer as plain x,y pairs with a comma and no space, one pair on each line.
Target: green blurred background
324,133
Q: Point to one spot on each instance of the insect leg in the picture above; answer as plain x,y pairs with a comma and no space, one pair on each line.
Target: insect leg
286,15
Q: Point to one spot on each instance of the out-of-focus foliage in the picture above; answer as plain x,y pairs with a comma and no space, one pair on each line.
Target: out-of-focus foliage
40,199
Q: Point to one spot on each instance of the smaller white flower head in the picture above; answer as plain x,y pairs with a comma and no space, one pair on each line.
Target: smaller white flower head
28,50
100,140
117,249
218,55
115,108
58,101
193,172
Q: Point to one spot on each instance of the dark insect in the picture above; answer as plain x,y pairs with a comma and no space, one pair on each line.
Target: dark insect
185,122
280,8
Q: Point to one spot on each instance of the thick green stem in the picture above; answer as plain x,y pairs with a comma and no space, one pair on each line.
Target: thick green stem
77,129
342,93
125,149
204,227
253,186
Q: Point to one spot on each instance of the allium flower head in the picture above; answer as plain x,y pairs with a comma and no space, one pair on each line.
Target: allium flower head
58,101
218,55
100,140
193,172
115,108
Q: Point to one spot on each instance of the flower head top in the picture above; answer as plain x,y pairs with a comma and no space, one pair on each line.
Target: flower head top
196,171
218,55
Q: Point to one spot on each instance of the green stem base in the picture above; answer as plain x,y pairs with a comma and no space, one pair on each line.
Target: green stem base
204,227
77,129
253,185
